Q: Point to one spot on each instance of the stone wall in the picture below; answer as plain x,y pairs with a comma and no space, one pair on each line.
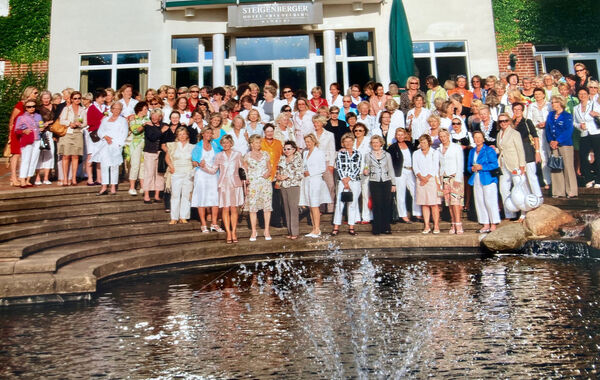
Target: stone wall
526,63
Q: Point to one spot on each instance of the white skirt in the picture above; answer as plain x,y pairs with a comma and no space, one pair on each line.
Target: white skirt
206,192
90,146
314,192
46,160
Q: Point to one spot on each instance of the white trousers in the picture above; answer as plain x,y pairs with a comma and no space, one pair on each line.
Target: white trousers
181,195
29,159
406,181
532,180
136,153
545,153
486,202
353,211
367,215
110,174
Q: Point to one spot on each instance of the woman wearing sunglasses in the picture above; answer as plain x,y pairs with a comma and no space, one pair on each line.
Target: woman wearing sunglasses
70,146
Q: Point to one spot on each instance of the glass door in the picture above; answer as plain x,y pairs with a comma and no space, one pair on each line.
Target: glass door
295,77
254,74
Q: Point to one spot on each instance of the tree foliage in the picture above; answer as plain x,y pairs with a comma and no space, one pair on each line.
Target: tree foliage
554,22
26,31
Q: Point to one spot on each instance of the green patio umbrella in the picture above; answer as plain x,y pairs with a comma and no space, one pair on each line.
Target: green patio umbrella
401,51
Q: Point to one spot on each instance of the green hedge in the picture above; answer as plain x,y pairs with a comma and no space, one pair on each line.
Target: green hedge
552,22
26,31
11,89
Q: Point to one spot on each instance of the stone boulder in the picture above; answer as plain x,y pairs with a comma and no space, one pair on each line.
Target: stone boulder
595,233
509,237
546,220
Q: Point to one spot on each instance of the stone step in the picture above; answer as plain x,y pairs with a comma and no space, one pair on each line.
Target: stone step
81,276
46,191
26,246
115,207
8,206
79,223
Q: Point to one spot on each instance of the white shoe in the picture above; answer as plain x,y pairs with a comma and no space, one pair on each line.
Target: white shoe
268,238
597,186
132,192
216,228
47,183
590,184
141,191
252,238
310,235
37,183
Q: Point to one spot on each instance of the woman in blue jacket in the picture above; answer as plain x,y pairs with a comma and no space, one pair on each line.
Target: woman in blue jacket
559,132
482,161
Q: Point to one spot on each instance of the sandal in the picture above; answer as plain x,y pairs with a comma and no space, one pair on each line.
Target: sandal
335,232
235,240
426,231
452,229
459,229
352,232
229,241
293,237
204,229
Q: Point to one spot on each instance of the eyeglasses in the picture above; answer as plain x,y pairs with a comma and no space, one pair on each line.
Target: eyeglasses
29,106
78,98
413,83
288,148
579,70
181,93
290,110
195,91
334,113
347,101
503,121
458,123
287,91
359,130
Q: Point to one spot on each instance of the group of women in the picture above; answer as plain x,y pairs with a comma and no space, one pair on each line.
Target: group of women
356,156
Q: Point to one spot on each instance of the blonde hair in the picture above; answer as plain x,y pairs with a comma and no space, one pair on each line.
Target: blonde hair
257,113
561,99
313,138
27,92
434,117
378,138
412,77
320,119
253,138
318,89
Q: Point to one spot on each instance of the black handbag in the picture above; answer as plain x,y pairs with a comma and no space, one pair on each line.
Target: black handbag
162,162
44,141
347,196
94,136
242,174
555,163
496,172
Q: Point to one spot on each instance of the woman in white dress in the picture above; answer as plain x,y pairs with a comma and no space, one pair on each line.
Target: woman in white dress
109,151
239,135
313,191
302,119
205,194
417,117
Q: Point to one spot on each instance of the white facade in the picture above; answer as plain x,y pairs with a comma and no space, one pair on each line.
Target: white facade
117,29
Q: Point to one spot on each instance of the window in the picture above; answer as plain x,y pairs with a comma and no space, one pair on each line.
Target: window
106,70
554,57
3,8
191,59
444,59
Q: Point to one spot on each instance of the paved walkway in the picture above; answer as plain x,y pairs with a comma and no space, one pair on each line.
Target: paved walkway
60,242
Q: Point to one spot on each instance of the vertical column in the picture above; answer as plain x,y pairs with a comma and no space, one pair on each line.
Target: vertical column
218,40
329,59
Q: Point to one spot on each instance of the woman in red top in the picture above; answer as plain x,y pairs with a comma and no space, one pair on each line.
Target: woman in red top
317,101
462,89
30,93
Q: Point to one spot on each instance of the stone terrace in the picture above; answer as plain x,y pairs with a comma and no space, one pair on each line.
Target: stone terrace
58,243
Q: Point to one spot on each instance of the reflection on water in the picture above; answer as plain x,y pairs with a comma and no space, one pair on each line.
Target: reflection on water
501,317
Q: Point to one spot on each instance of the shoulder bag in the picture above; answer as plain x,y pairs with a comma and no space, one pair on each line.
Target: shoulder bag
555,162
58,129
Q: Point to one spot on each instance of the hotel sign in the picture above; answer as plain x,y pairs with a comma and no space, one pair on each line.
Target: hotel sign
252,15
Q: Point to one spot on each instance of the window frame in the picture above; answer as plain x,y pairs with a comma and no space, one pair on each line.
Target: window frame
572,59
114,66
432,55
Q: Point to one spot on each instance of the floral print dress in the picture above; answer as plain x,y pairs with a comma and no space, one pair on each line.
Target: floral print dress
260,192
